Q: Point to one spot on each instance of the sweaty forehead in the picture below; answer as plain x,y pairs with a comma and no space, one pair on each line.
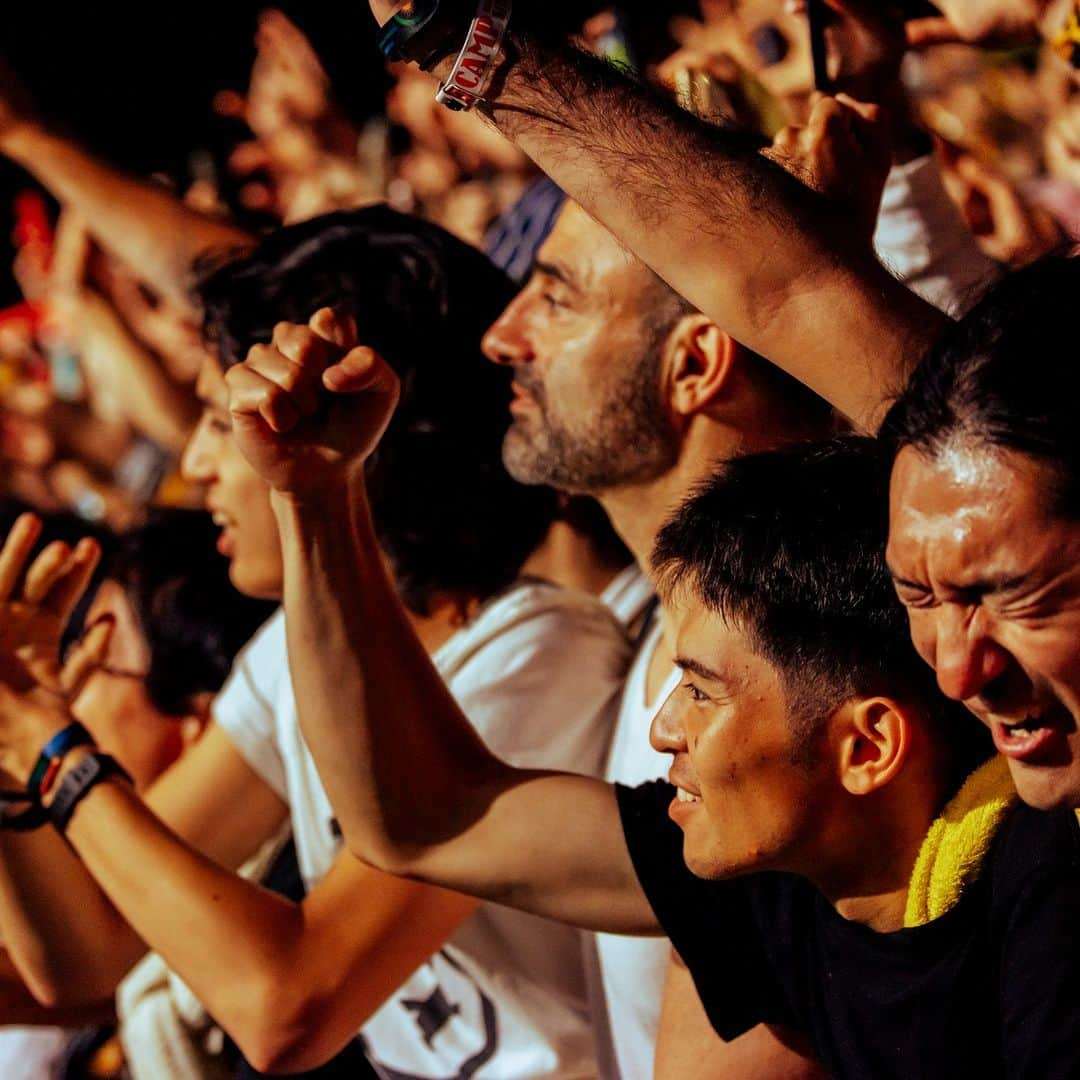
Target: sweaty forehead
966,514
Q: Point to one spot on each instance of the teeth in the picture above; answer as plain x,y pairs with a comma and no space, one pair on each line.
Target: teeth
685,796
220,519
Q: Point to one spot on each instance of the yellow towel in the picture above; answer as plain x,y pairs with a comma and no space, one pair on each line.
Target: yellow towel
952,854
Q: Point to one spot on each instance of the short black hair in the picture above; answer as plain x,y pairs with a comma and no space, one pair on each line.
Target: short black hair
445,510
1005,375
192,618
789,546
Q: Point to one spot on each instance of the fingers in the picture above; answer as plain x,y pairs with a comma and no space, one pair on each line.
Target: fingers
253,395
361,370
934,30
335,328
16,550
68,589
86,656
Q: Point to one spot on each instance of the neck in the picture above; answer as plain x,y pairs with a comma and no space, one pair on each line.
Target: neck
567,558
876,852
638,511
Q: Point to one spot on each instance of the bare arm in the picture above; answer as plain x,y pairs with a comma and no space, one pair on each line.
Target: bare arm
687,1045
414,788
765,258
67,932
150,229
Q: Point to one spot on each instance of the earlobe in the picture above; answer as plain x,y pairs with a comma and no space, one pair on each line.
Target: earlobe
874,744
701,358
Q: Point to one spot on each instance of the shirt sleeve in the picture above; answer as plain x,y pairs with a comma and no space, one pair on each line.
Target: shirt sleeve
538,684
712,924
245,709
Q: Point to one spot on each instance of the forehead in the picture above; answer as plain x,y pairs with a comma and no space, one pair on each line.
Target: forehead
719,646
968,511
592,256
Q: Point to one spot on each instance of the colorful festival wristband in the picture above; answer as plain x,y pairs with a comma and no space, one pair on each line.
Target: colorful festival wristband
44,773
78,783
475,66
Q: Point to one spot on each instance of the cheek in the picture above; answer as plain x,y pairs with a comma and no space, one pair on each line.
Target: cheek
923,625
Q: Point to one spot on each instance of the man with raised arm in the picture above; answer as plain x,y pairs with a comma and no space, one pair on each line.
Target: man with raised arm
796,748
731,231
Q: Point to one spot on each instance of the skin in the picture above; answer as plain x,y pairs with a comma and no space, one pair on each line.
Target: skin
989,575
586,373
113,703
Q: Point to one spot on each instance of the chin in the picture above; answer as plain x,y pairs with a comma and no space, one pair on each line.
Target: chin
255,582
1047,788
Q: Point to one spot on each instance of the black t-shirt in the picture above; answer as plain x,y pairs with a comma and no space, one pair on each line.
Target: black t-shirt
990,989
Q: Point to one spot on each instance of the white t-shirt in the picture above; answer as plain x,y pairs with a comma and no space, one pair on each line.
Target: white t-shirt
504,999
631,970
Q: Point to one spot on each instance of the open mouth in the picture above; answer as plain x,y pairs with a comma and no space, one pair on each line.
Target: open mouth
685,796
1031,737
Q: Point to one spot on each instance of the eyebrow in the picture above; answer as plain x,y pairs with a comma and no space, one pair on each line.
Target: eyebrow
559,273
698,669
1003,583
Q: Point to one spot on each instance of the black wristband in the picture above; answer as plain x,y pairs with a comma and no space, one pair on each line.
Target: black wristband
78,783
33,817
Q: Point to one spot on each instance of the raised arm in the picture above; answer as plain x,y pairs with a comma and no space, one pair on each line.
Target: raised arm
766,259
414,788
142,223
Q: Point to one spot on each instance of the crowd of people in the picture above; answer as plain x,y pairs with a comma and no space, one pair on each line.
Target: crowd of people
588,593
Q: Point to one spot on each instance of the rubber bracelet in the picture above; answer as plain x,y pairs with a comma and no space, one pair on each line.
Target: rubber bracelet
78,783
470,79
423,32
52,754
26,821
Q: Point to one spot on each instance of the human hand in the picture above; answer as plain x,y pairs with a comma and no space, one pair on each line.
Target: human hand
36,603
987,21
843,153
309,408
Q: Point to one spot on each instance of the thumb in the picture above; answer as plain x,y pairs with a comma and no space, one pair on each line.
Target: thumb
361,370
338,329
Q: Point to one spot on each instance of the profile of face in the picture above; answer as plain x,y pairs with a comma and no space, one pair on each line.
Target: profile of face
236,496
746,800
990,577
113,703
587,412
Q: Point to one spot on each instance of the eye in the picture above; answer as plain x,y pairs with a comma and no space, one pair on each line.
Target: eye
696,694
912,596
553,302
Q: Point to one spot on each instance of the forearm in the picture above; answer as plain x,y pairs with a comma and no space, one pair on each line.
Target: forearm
69,943
771,262
145,225
233,942
401,765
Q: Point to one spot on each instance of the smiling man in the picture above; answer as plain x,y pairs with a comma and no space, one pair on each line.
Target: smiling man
807,736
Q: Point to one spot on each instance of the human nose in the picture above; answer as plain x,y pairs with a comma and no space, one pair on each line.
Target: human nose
506,342
196,463
666,733
966,658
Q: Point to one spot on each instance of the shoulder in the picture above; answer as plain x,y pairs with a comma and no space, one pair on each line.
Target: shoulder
535,618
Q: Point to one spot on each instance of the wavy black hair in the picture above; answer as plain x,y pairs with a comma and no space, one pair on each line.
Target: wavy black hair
789,546
446,512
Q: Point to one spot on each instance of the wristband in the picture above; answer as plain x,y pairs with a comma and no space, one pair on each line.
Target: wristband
78,783
423,32
44,773
25,821
475,66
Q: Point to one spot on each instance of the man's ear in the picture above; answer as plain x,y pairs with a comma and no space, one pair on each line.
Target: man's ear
874,741
698,358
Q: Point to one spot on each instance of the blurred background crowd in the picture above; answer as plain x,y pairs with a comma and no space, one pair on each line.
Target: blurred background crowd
278,115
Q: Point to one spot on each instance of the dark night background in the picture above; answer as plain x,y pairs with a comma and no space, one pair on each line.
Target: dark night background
135,82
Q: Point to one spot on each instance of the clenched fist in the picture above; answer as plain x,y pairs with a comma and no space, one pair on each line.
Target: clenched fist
309,408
